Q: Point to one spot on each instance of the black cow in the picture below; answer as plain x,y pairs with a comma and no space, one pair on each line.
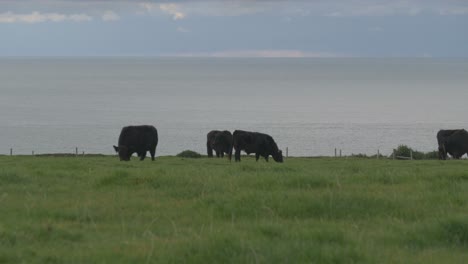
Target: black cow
455,143
253,142
137,139
442,137
219,141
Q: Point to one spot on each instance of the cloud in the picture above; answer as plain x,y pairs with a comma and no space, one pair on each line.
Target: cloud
259,54
149,7
378,8
38,17
453,11
175,10
390,8
172,9
181,9
110,16
331,8
79,17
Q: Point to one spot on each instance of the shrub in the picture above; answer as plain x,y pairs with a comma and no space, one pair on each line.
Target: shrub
402,151
189,154
359,155
405,151
432,155
418,155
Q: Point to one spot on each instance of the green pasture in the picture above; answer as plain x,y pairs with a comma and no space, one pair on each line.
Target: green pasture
178,210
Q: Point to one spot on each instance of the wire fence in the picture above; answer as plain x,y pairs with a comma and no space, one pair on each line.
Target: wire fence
73,152
338,153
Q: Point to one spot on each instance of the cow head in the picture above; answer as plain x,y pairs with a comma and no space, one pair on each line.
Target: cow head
278,156
123,151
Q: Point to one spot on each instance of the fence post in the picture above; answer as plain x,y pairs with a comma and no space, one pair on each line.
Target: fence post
340,153
411,155
287,152
33,152
11,151
76,151
335,152
393,154
378,153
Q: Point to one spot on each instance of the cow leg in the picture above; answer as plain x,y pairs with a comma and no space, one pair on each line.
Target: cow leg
209,150
237,155
153,153
442,154
266,158
222,154
142,156
230,153
217,154
257,156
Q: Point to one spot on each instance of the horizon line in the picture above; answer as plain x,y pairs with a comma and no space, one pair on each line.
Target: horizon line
224,57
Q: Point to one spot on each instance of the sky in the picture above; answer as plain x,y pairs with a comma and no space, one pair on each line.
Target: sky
237,28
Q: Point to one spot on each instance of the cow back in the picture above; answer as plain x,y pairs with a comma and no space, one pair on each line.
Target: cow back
138,136
442,135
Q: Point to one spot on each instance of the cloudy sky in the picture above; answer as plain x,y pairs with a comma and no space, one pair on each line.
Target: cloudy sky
237,28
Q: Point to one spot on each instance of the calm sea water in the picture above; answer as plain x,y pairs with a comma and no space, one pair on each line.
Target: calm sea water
311,106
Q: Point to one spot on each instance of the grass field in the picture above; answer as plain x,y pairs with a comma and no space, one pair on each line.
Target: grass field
174,210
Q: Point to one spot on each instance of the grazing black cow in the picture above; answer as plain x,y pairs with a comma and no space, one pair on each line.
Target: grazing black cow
253,142
137,139
219,141
442,137
455,143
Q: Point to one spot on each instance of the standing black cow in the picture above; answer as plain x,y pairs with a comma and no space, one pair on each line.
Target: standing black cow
442,138
253,142
137,139
453,142
219,141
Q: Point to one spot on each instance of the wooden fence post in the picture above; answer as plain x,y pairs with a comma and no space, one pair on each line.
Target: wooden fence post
287,152
11,151
76,151
411,155
340,153
378,153
335,152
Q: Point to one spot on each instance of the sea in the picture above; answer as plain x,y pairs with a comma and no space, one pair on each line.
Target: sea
310,106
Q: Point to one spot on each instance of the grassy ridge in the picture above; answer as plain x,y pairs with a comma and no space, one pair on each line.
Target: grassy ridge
174,210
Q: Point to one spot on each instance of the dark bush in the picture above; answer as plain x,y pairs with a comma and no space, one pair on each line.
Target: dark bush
189,154
359,155
418,155
432,155
404,151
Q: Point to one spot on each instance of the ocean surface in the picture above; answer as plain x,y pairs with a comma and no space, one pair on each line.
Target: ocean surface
310,106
